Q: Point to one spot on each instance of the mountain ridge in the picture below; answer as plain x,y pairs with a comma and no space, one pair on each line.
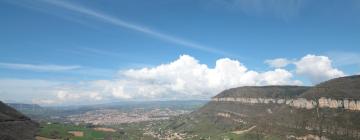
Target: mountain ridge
286,112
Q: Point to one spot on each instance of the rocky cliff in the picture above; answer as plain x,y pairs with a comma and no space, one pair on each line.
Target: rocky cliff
14,125
329,110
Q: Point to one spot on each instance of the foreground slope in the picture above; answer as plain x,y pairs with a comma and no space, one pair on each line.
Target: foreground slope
14,125
284,112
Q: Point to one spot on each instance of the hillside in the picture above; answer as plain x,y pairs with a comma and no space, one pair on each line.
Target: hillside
264,92
14,125
338,88
280,112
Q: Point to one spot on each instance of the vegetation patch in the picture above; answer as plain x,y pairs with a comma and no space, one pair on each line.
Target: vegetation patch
69,131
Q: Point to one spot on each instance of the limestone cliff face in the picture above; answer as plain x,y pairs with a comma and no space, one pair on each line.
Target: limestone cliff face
348,104
337,93
323,102
309,137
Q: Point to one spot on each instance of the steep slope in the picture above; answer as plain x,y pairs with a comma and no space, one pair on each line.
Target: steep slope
14,125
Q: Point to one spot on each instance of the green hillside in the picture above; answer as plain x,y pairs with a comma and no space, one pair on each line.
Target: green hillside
343,87
277,121
264,91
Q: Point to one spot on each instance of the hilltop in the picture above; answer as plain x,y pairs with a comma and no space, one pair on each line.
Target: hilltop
338,88
264,92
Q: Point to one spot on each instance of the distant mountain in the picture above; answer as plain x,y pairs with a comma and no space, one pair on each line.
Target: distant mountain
328,111
22,106
14,125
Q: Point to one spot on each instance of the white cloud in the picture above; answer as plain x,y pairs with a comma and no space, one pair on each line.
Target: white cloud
44,101
279,77
186,77
71,95
317,68
52,92
33,67
95,96
118,92
22,90
278,62
64,95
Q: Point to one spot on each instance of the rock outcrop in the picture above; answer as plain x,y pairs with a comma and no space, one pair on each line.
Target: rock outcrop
347,104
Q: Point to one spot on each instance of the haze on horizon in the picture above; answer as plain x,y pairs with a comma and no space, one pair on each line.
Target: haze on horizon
61,52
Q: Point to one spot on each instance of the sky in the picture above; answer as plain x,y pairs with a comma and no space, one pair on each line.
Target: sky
62,52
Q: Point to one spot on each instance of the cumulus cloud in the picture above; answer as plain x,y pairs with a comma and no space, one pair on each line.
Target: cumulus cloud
279,77
95,96
278,62
184,78
317,68
65,95
187,77
118,92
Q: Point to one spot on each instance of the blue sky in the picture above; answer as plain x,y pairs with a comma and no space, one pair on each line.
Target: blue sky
75,42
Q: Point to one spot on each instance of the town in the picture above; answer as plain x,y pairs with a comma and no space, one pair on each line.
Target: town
115,117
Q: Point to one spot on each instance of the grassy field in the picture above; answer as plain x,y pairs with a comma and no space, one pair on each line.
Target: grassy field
135,132
61,131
